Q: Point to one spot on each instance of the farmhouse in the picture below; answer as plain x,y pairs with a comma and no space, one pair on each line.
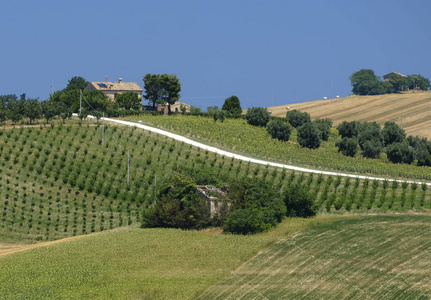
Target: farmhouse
176,107
387,76
215,198
113,89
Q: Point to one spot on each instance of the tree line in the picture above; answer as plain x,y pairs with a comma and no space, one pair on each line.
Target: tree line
373,140
365,82
310,134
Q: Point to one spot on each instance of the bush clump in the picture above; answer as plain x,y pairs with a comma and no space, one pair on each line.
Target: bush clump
279,130
257,116
297,118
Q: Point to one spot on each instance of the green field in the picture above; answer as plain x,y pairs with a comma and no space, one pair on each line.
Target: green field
59,181
369,257
135,263
237,136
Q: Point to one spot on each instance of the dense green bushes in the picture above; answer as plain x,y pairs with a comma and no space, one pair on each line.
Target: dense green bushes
257,116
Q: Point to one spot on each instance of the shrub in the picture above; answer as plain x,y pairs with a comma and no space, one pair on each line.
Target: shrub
400,153
249,221
299,202
324,126
257,116
309,136
178,206
297,118
392,133
279,130
347,146
348,129
372,148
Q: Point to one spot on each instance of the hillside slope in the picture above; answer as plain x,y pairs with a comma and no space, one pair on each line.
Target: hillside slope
411,108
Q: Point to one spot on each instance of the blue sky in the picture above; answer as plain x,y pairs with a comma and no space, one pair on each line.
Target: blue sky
264,52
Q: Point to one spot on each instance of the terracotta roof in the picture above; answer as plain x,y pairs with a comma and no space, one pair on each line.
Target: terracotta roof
113,86
394,73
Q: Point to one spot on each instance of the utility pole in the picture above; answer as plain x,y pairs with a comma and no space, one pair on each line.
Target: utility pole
80,102
103,126
155,188
401,119
128,166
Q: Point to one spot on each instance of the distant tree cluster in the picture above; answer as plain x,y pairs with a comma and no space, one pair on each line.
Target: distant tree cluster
255,206
365,82
372,141
19,110
309,134
162,89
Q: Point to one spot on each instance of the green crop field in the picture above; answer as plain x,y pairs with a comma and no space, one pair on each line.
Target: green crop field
237,136
135,263
369,257
59,181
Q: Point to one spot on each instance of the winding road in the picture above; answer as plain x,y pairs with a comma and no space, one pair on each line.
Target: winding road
245,158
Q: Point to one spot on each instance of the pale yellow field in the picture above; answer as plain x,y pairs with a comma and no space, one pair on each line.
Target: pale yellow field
413,109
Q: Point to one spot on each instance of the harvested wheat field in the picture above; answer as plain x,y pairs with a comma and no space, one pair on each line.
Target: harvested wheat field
412,110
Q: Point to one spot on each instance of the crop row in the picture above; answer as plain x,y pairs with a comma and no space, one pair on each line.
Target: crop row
237,135
60,181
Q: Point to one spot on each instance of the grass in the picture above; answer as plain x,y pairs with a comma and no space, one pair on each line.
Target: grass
409,108
377,257
237,136
135,263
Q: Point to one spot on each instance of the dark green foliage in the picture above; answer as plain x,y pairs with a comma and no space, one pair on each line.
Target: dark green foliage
49,110
324,126
279,130
309,136
297,118
152,87
372,148
162,89
257,116
421,148
299,202
347,146
418,82
249,221
400,153
397,83
392,133
76,83
256,206
348,129
96,100
128,100
370,139
232,106
178,206
365,82
33,109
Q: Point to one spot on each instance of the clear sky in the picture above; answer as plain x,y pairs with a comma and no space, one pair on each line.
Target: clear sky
264,52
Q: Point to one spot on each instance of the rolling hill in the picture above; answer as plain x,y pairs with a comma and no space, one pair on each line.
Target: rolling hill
411,109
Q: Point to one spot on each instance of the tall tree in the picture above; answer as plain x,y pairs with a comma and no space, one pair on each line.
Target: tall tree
365,82
170,89
418,82
232,106
76,83
152,86
33,109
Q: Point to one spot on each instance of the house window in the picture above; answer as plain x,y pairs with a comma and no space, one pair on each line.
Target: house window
176,109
